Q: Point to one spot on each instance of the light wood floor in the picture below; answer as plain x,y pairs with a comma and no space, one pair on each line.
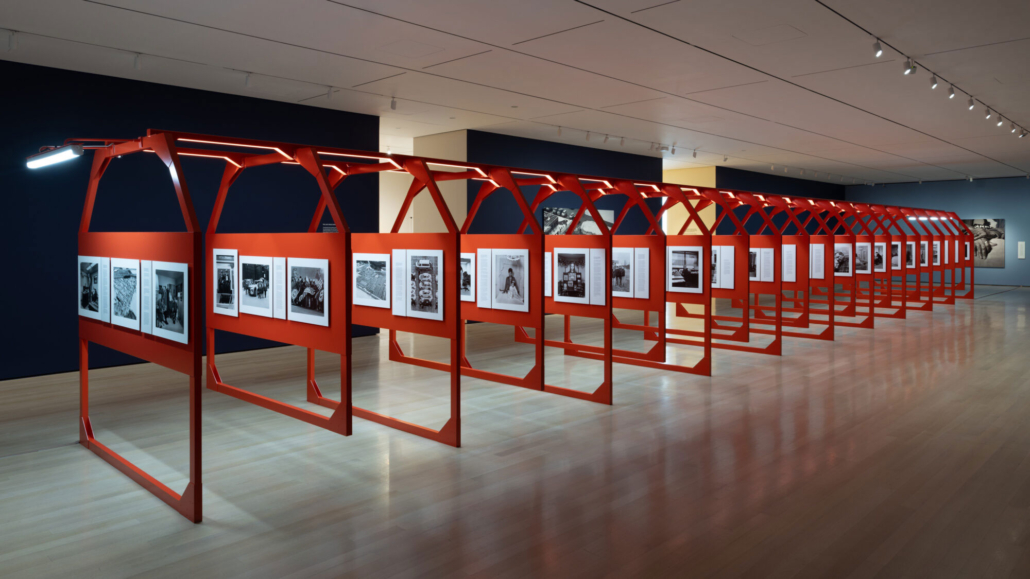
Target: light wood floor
900,452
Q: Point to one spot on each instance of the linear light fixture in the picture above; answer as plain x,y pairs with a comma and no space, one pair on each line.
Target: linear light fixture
56,155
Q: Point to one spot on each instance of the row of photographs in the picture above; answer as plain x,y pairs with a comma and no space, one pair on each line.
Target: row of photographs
870,258
147,296
418,282
257,286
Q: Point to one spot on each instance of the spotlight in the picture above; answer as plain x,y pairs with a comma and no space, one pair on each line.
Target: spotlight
933,82
695,153
971,103
1001,121
951,92
246,80
622,141
329,93
987,113
559,131
725,158
1013,128
1023,134
910,67
388,152
12,41
138,62
606,138
56,155
877,49
393,104
588,135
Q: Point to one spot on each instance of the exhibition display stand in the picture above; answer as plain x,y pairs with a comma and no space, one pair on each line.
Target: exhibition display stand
850,232
921,296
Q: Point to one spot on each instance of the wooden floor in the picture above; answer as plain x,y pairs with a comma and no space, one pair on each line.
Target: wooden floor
900,452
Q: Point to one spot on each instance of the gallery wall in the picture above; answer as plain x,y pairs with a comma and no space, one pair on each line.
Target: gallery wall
499,214
44,106
1007,199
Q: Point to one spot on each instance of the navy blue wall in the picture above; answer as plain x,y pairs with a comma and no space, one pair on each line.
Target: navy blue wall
42,208
740,180
1007,199
499,214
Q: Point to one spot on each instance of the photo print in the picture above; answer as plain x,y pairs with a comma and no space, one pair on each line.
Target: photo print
372,280
622,272
937,253
988,242
880,256
842,259
89,287
171,301
863,261
510,279
570,276
309,290
752,264
895,255
125,294
425,284
467,282
924,257
558,219
226,268
716,251
910,254
684,269
256,285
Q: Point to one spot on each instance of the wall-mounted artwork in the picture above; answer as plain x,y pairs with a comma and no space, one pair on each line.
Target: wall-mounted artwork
879,256
684,269
622,272
372,280
510,279
226,268
863,261
988,242
171,301
125,286
467,282
425,284
309,290
558,219
842,259
256,285
570,276
89,287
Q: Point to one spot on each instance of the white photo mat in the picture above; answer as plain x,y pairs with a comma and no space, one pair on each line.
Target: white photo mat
255,294
225,269
171,303
371,280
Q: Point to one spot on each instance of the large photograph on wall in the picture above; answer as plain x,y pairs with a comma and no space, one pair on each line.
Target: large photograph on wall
988,242
558,219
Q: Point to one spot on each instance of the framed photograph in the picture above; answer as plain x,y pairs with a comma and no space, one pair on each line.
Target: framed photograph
558,219
171,301
880,256
372,280
863,259
895,255
988,242
309,290
227,284
683,272
622,272
256,285
842,259
924,251
125,302
910,254
89,287
937,253
570,276
425,284
753,262
467,282
510,280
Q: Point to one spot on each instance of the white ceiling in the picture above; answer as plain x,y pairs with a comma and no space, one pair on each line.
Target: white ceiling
790,84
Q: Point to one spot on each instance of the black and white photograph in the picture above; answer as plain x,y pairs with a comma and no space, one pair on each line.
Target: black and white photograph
753,261
937,253
467,281
256,285
372,280
89,287
924,254
125,292
558,219
622,272
570,276
309,290
716,251
425,284
510,279
863,259
842,259
171,301
910,254
895,255
227,287
684,269
988,242
880,256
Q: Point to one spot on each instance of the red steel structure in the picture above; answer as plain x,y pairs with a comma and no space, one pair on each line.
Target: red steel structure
777,220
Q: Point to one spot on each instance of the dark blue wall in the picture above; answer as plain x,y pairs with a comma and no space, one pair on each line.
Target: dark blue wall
1007,199
499,214
740,180
42,208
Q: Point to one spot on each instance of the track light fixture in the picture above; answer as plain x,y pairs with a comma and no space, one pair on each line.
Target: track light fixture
695,153
559,130
138,62
877,49
622,141
987,113
12,41
971,103
329,93
1001,121
1013,128
606,138
772,167
388,151
588,135
1023,134
393,104
951,92
910,67
933,82
725,158
246,80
